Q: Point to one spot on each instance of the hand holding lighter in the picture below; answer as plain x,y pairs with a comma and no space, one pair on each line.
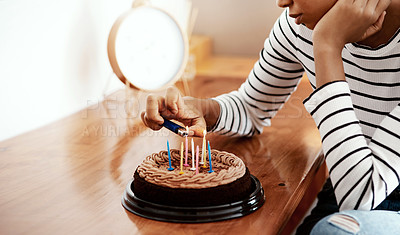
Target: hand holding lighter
180,130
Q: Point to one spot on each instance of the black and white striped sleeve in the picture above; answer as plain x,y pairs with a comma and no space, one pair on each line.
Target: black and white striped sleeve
363,174
270,83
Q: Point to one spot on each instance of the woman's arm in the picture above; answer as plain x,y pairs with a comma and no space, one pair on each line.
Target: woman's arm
246,111
362,174
270,83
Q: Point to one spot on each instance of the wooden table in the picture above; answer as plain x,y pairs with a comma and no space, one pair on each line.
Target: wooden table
68,177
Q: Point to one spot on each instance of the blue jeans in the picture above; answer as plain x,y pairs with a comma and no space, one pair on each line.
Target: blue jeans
322,219
359,222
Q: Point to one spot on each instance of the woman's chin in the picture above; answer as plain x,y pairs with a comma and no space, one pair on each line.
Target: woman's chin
309,26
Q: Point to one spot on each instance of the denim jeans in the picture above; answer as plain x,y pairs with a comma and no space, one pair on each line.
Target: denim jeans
359,222
378,221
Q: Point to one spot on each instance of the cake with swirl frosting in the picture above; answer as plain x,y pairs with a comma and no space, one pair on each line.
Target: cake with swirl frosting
230,181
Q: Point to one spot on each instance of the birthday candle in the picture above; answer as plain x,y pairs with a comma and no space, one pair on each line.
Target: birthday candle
169,158
203,152
187,148
181,172
209,157
193,168
197,160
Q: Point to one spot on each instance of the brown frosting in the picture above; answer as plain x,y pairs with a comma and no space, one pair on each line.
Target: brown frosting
227,168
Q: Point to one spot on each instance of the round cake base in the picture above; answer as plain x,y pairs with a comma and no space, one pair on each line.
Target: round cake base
199,214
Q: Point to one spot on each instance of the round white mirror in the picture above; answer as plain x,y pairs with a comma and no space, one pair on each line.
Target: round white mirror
147,49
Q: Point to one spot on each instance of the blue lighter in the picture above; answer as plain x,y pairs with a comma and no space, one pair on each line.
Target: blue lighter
180,130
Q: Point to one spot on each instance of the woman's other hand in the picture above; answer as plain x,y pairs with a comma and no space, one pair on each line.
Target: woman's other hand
349,21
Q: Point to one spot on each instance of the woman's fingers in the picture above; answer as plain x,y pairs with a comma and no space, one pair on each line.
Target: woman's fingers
174,107
360,4
173,100
377,26
152,117
151,124
197,128
371,9
375,12
382,5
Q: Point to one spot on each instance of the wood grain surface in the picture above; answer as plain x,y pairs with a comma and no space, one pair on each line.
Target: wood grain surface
68,177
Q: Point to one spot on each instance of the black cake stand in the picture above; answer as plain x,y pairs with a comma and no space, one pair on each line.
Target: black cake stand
199,214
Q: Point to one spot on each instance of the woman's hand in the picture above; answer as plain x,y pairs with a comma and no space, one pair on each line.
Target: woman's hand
186,110
347,21
350,21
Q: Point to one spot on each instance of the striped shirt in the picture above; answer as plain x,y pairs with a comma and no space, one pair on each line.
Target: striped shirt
358,119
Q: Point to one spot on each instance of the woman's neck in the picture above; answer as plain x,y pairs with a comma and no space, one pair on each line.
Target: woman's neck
390,26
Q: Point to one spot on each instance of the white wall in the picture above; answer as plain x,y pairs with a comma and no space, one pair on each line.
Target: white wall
53,53
53,59
238,27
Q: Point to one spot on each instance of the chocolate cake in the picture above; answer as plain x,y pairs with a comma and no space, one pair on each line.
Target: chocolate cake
230,181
